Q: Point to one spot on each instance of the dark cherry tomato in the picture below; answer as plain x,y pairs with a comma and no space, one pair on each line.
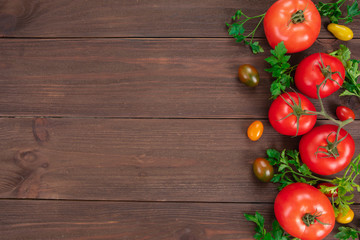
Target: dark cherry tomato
343,113
249,75
263,170
327,184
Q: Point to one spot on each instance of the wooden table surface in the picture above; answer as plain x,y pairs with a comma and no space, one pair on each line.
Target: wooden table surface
124,119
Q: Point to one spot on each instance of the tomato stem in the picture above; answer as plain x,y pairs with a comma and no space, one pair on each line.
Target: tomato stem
310,219
311,176
257,26
297,17
331,148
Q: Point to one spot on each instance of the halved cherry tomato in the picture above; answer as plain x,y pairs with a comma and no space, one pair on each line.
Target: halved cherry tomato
341,32
255,130
263,169
343,113
248,75
347,218
327,184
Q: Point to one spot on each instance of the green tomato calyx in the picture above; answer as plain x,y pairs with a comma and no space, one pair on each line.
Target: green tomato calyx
326,71
297,110
330,150
297,17
309,219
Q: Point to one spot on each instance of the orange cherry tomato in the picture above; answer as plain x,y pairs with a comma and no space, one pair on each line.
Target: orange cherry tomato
255,130
347,218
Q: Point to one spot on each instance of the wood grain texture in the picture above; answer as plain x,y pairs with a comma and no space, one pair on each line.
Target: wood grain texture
137,160
88,220
186,78
125,120
135,18
43,220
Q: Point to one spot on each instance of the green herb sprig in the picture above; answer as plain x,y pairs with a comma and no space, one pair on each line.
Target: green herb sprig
334,13
237,30
346,233
351,85
291,170
277,233
280,69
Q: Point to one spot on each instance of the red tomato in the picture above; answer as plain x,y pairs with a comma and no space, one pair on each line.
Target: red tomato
298,201
311,148
295,22
327,184
343,113
312,72
291,125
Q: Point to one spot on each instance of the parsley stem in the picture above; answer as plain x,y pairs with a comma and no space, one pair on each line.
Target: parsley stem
340,2
257,26
311,176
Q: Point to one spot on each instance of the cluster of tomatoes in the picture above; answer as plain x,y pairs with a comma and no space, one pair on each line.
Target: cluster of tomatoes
325,149
301,209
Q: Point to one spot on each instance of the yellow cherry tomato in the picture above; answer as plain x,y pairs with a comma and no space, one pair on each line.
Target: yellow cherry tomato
347,218
341,32
255,130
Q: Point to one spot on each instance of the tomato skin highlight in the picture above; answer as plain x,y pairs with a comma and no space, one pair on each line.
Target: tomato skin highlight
327,184
308,75
320,163
248,75
279,109
347,218
341,32
263,170
297,37
255,130
344,113
298,199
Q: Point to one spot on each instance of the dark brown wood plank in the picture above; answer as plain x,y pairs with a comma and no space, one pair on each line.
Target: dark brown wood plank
138,78
151,18
42,220
136,160
116,220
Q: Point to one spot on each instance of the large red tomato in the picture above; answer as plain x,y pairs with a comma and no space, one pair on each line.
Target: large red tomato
295,22
313,145
313,70
299,203
285,114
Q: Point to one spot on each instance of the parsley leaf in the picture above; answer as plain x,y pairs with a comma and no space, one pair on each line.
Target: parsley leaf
280,70
352,11
346,233
277,233
289,168
333,11
237,30
351,85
